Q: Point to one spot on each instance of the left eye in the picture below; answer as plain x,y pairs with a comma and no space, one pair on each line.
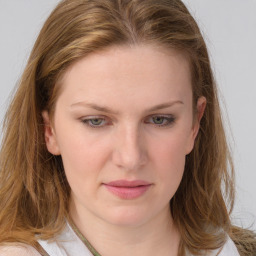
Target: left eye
161,120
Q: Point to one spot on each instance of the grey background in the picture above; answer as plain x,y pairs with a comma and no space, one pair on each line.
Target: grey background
229,27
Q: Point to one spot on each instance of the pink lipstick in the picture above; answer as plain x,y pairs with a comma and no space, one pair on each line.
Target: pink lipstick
125,189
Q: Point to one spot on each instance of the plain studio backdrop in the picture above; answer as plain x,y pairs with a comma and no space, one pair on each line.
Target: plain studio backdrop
229,28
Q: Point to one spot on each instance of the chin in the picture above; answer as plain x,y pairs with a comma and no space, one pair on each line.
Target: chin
126,216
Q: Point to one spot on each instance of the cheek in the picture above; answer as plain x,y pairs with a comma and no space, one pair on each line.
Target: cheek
169,157
171,146
83,161
83,154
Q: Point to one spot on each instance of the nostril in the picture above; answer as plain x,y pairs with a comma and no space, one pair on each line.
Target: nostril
129,159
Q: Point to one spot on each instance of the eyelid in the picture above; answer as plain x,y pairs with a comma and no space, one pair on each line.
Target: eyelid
86,121
169,118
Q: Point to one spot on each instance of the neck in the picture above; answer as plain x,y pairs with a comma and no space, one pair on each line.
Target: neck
158,236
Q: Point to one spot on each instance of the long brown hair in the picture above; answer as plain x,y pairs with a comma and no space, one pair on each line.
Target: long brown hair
34,193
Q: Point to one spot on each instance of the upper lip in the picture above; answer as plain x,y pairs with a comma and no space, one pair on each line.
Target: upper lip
127,183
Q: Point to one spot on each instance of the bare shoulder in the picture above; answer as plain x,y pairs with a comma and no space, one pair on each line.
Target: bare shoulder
18,250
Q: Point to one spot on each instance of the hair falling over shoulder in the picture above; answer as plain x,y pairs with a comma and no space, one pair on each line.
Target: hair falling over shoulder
34,193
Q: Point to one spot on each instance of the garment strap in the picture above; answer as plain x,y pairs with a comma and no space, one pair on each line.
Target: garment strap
40,249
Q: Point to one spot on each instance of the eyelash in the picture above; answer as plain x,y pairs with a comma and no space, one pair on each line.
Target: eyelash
89,120
167,119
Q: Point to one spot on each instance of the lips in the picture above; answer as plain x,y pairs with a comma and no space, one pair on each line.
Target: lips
125,189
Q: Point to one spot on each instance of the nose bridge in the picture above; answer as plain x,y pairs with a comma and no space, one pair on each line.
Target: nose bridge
129,152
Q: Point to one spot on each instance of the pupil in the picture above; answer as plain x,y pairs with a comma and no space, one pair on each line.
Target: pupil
96,121
158,120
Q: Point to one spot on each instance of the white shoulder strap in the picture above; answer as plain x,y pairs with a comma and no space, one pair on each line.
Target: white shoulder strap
65,244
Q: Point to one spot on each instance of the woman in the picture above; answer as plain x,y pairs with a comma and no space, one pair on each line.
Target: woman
120,147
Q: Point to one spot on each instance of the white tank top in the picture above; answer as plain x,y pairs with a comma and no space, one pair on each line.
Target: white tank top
69,244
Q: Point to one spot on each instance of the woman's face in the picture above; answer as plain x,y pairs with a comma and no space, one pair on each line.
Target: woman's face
123,125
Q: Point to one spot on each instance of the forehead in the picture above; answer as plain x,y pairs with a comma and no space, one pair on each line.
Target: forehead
128,72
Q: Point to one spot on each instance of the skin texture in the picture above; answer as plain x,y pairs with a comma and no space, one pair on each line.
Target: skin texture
105,129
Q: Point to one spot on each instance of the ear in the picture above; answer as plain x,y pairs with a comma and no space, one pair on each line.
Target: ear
49,135
200,108
201,104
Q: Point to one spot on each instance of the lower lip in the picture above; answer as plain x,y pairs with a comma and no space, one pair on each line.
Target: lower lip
128,192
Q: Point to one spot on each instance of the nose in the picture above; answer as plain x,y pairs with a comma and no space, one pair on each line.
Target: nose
129,149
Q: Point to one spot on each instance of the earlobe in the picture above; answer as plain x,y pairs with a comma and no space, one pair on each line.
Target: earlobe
49,135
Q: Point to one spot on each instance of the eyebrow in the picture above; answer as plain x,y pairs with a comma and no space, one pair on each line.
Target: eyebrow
108,110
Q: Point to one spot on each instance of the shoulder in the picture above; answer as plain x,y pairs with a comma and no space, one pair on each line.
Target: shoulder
18,250
229,249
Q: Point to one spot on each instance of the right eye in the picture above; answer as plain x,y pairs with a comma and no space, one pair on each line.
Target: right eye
95,122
